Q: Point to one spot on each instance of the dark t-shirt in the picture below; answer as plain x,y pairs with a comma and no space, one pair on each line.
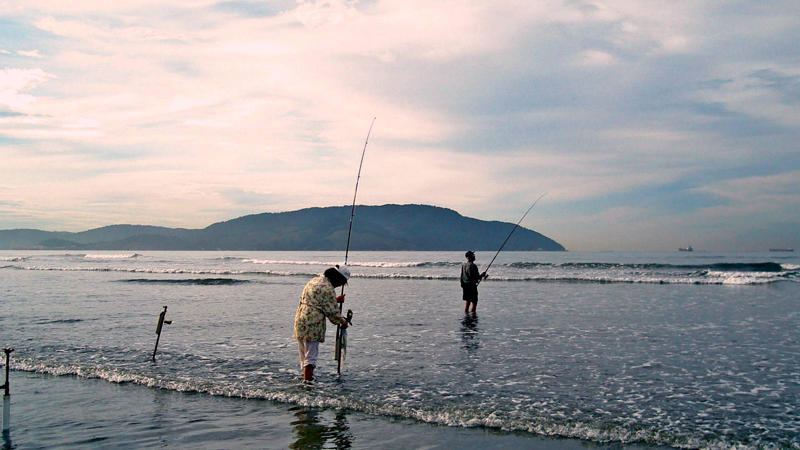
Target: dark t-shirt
469,281
469,273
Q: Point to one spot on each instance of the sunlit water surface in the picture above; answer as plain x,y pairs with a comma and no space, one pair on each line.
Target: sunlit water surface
683,350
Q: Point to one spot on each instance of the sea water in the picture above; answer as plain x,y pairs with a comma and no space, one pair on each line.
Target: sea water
688,350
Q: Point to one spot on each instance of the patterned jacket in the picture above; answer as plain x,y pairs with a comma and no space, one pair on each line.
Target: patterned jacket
317,302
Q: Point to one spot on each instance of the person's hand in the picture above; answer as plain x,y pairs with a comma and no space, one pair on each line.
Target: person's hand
340,299
484,275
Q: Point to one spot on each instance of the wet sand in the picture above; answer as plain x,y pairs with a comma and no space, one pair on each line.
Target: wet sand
71,412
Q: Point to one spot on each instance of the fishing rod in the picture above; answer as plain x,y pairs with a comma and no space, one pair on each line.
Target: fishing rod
355,194
341,333
512,232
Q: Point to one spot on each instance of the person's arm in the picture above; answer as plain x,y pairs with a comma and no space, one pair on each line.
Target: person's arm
330,310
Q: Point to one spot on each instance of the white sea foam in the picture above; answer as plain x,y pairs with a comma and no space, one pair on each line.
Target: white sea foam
320,398
740,278
288,262
168,271
382,264
116,256
707,277
377,264
12,258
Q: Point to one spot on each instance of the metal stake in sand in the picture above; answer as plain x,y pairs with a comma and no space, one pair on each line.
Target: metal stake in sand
7,393
337,350
161,322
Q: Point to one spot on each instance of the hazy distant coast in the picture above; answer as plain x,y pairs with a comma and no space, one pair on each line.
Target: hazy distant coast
386,227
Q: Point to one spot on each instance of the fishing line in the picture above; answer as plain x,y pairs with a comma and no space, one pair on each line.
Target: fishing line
512,232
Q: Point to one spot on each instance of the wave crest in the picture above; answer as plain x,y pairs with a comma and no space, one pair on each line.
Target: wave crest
193,281
695,277
285,392
104,256
377,264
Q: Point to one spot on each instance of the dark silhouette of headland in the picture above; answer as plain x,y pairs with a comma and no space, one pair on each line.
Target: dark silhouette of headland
386,227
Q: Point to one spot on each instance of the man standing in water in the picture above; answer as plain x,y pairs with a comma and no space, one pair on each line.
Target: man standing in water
318,301
470,277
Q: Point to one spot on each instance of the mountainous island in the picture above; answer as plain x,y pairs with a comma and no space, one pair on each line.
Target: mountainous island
386,227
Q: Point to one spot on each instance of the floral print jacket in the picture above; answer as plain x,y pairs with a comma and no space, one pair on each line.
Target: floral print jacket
317,302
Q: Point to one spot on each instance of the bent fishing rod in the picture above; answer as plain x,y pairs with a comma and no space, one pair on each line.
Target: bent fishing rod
355,194
512,232
337,350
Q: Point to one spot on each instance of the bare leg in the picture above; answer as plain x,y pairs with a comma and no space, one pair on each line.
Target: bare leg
466,306
308,373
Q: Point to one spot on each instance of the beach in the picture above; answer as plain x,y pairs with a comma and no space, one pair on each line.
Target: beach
567,350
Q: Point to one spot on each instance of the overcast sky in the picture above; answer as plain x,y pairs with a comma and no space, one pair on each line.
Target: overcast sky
650,125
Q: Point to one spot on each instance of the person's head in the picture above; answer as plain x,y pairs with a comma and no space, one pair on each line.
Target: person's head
338,275
470,256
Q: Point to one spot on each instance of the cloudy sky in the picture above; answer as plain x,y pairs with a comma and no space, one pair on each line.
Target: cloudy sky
650,125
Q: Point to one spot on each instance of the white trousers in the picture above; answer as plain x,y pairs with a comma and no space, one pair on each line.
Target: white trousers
309,350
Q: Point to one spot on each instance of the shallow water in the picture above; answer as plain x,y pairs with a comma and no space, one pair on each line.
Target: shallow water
667,349
68,412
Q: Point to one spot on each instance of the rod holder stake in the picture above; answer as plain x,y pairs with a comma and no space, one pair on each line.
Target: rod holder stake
7,392
160,325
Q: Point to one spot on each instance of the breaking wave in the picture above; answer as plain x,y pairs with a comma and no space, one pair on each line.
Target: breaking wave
119,256
731,267
165,270
194,281
283,389
354,263
705,276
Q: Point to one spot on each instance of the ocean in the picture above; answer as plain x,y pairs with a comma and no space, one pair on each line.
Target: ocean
567,350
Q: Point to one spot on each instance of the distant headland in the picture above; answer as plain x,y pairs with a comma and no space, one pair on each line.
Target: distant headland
385,227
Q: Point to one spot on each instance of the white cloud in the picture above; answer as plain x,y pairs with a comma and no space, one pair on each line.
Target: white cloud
102,6
594,58
84,123
206,123
30,53
325,12
592,102
68,28
181,103
755,189
14,81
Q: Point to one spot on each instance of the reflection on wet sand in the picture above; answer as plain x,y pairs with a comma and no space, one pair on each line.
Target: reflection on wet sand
470,338
313,430
7,445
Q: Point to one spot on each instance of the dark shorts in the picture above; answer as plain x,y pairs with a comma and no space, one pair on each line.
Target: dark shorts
470,292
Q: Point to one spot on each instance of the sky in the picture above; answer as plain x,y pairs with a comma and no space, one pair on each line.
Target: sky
649,125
